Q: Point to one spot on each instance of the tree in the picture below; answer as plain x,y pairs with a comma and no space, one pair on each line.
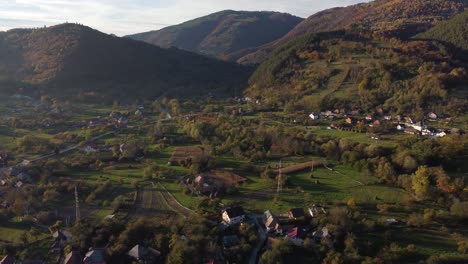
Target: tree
462,242
459,209
421,184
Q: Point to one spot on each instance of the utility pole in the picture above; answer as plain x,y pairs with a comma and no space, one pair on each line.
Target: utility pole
77,206
280,176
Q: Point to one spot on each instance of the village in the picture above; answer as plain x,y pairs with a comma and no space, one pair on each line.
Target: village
154,163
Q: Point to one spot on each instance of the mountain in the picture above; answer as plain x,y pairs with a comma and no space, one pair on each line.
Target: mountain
340,70
391,18
72,59
453,31
223,33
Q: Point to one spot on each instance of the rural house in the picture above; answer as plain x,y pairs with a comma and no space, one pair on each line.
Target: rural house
72,258
314,116
296,213
8,260
143,254
297,235
316,211
432,116
233,215
95,256
271,222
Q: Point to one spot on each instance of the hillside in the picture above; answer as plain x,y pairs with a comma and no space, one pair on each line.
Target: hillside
453,31
396,18
71,58
223,33
324,71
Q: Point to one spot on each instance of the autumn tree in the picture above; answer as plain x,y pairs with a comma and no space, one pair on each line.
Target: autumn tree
421,184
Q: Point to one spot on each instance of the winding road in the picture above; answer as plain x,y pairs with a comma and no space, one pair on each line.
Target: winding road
260,243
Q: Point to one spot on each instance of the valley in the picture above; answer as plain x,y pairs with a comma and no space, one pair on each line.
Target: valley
239,137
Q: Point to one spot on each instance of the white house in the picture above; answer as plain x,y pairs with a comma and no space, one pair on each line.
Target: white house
316,211
401,127
233,215
432,116
419,126
314,116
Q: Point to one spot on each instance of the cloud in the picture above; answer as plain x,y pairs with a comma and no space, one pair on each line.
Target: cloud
123,17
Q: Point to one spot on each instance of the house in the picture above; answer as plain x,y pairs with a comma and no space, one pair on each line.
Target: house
19,184
420,126
376,123
3,182
8,260
233,215
59,238
296,213
369,118
62,235
4,205
350,120
391,221
204,189
431,116
388,118
24,177
10,172
144,254
89,149
321,234
230,241
95,256
271,222
297,235
412,131
316,211
355,112
408,120
314,116
441,134
73,257
401,127
199,179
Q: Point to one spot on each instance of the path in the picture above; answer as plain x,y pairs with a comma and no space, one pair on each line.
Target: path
253,259
172,201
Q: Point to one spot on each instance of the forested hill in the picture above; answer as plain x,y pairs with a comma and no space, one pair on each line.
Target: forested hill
453,31
398,18
223,33
327,71
73,59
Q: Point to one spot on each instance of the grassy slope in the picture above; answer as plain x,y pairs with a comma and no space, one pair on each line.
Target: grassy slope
453,31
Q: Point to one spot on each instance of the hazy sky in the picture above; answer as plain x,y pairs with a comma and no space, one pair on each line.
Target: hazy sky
123,17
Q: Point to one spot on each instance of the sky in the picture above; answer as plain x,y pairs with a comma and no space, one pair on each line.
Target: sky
123,17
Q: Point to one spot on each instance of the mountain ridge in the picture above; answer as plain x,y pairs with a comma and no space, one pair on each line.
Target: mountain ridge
223,33
72,57
385,17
